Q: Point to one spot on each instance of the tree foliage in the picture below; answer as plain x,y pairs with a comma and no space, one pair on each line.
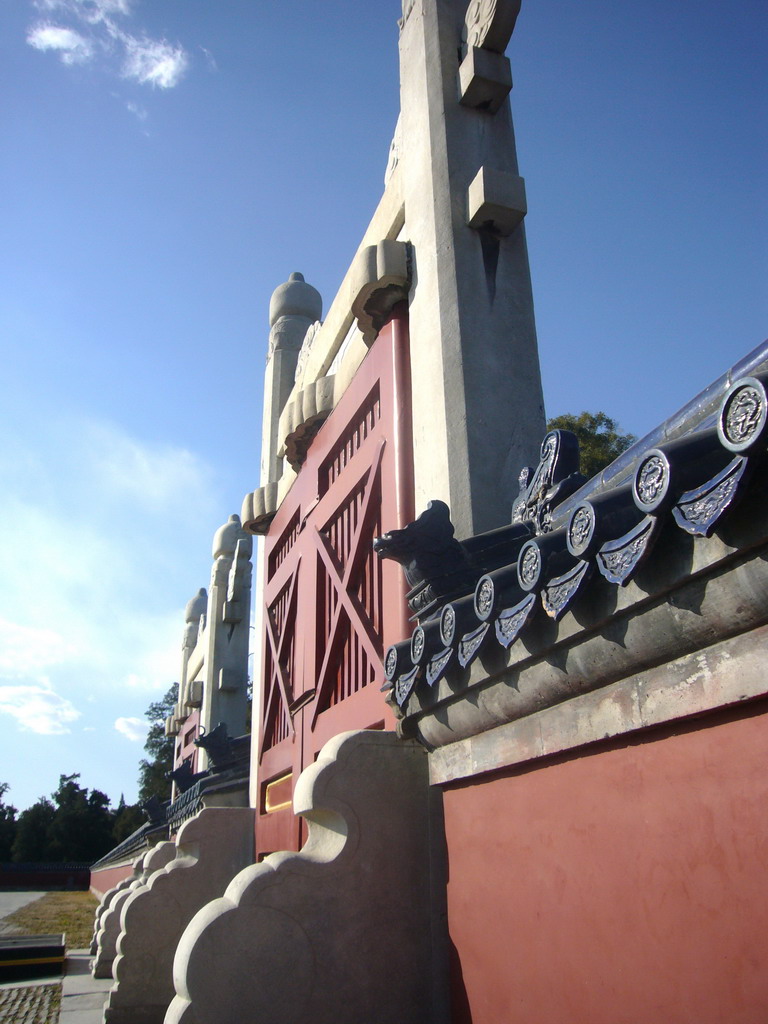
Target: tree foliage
128,817
82,826
76,825
600,438
79,825
153,770
31,842
7,824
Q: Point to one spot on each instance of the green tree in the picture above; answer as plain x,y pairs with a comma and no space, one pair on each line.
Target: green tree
81,829
128,817
75,826
600,439
32,832
153,770
7,824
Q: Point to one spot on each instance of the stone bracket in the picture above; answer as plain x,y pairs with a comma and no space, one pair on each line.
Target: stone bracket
195,693
172,725
230,680
496,201
485,80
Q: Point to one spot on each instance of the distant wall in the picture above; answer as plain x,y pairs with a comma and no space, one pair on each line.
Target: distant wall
626,882
44,876
107,878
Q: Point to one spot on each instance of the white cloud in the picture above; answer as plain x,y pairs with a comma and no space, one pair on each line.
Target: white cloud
104,537
154,476
96,604
73,48
137,110
38,708
26,651
134,729
96,29
210,60
154,62
156,661
89,10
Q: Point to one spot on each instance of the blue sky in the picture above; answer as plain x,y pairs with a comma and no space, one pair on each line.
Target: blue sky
166,164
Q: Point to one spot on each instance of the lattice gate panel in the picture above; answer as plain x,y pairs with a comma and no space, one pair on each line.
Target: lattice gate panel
352,668
331,605
281,613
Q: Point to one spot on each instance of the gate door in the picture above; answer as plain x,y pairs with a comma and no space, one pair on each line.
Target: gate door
332,606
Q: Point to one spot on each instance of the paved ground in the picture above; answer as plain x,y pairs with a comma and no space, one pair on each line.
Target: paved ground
33,1004
84,996
78,998
10,902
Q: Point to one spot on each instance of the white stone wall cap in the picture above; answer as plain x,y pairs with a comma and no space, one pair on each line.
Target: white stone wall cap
259,508
380,279
303,416
295,298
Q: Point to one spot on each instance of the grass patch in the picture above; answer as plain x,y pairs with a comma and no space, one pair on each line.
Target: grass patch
70,912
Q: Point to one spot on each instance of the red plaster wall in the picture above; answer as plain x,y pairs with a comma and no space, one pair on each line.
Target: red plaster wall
185,742
108,878
624,885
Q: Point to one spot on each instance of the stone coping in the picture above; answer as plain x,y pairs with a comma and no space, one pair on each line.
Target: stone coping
726,674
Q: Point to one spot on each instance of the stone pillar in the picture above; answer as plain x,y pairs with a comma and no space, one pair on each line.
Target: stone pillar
195,610
294,307
478,413
226,636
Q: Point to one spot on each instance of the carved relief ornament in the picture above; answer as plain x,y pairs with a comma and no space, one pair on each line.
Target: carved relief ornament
489,24
407,8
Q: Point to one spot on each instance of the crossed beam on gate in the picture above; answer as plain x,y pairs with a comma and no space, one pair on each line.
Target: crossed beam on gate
341,580
276,644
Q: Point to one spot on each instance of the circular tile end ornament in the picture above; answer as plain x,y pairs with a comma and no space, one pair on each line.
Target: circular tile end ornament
529,565
741,424
651,483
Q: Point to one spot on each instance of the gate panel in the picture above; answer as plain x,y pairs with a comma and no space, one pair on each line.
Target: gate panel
332,607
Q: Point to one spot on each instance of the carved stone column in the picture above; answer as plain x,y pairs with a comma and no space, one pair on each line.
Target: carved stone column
294,307
226,638
477,403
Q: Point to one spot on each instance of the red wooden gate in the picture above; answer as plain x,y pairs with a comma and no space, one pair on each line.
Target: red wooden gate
332,607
